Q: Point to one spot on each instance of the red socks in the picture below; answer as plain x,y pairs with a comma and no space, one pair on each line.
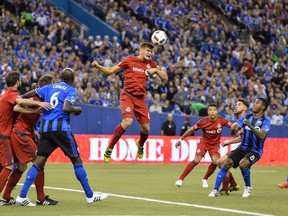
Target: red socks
4,175
187,170
143,138
225,184
212,167
118,132
232,181
12,181
39,184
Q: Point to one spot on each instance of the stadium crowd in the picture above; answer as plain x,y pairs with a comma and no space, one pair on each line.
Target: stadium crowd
204,57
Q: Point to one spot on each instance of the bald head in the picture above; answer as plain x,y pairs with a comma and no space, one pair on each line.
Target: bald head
68,76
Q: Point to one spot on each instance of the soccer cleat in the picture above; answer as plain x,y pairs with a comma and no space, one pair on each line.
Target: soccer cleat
213,193
205,183
283,185
140,151
247,191
179,183
107,155
9,201
47,201
24,201
236,188
224,192
96,197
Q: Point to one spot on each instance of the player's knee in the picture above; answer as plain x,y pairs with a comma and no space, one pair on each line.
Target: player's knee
219,163
146,130
228,163
76,160
126,123
22,167
244,164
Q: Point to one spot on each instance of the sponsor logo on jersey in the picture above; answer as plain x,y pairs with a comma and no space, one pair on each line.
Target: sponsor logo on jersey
211,131
138,69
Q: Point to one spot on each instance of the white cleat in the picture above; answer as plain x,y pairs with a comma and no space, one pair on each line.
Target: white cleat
214,193
179,183
24,201
205,183
96,197
247,191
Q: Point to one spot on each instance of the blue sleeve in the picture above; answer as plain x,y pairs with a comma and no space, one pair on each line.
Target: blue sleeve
42,91
71,95
241,121
266,125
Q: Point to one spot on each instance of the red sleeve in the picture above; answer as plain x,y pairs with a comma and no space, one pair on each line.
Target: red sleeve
124,63
199,124
227,123
12,98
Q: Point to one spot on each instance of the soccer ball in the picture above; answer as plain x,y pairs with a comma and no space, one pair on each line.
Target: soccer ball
159,37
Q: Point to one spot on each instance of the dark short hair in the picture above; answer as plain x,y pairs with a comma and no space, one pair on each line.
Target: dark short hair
212,105
264,102
67,75
244,101
147,45
12,78
45,80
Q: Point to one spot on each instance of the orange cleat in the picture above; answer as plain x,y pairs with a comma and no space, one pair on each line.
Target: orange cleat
283,185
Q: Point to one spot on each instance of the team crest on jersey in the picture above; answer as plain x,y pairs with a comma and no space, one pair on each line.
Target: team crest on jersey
258,123
219,125
128,109
148,66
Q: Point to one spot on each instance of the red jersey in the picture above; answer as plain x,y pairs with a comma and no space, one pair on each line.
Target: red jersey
27,122
212,130
135,77
7,115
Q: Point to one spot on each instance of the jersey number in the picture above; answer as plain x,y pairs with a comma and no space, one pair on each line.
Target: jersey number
54,100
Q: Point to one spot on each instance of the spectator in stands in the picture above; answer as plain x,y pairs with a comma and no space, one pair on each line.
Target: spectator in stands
168,127
277,118
186,126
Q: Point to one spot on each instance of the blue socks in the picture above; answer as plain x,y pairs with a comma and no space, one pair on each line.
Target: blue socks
246,176
287,179
83,179
220,177
30,177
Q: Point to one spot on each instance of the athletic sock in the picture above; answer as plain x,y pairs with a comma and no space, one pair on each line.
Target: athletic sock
225,183
4,175
232,181
30,178
188,169
246,176
118,132
143,138
39,185
83,179
12,181
212,167
220,177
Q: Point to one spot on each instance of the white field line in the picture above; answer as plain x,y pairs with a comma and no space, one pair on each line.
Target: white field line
164,202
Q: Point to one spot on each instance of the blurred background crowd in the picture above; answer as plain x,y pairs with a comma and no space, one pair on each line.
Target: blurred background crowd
217,51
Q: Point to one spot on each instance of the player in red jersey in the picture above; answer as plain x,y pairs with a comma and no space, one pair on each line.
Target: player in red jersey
22,141
137,69
212,129
240,110
8,100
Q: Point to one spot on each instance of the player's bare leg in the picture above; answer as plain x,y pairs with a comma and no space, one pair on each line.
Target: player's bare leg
118,132
187,170
144,133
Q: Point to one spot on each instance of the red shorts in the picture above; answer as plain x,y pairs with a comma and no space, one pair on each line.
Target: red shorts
6,155
202,148
136,105
24,147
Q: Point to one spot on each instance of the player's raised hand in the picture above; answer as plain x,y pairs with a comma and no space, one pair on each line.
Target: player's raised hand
95,64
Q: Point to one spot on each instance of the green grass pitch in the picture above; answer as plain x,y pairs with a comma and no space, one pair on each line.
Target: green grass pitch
138,189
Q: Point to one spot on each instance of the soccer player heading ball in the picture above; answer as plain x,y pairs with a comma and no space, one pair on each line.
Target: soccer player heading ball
137,69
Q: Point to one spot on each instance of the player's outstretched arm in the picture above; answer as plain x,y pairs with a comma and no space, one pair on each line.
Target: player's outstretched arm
229,142
30,103
187,133
68,107
106,70
26,110
29,94
162,74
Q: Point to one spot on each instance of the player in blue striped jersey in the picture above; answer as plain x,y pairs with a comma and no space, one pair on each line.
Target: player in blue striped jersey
55,132
256,126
